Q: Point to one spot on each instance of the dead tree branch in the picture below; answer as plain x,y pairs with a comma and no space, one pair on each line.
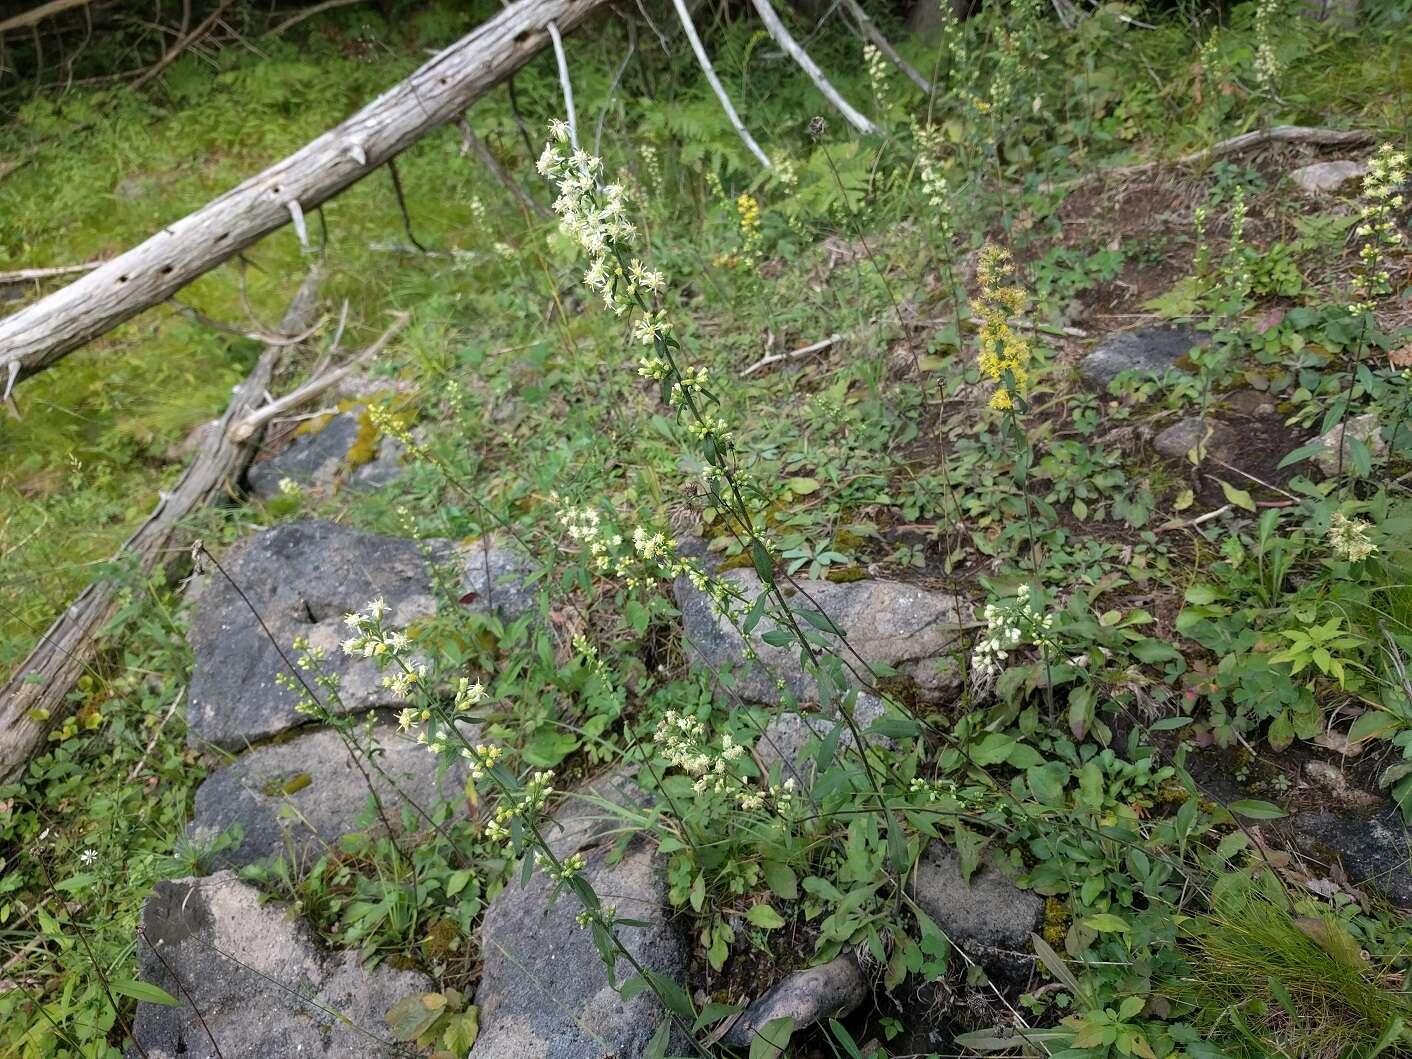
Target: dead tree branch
35,699
871,31
473,144
715,82
152,272
799,55
311,389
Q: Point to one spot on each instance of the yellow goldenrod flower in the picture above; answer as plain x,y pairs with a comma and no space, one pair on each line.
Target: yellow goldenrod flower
1004,355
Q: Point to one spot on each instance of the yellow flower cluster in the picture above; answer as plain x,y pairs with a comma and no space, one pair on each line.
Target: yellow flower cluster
1004,355
748,207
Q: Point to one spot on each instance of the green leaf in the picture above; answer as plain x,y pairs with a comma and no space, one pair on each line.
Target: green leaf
1300,454
657,1046
1257,810
547,747
636,615
781,880
803,486
1023,756
845,1039
764,565
457,882
895,728
1200,595
143,991
1047,782
763,915
772,1039
820,621
413,1015
1374,724
1239,497
1107,923
462,1030
993,748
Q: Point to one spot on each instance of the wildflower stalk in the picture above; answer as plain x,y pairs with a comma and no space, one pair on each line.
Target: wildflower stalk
295,679
597,219
516,820
92,958
1378,235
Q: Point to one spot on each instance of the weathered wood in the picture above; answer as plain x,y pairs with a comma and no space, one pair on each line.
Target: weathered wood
33,701
809,66
704,61
148,274
473,144
875,35
36,15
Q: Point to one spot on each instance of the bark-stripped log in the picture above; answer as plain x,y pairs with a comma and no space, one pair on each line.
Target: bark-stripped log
40,334
33,702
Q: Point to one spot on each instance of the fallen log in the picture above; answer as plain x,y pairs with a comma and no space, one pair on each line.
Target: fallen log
151,272
1246,141
34,700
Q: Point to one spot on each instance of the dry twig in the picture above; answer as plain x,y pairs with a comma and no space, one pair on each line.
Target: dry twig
311,389
802,351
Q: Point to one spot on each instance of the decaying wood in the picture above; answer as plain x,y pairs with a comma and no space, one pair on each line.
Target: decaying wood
799,55
1244,142
310,12
473,144
704,62
148,274
260,418
182,44
27,275
36,15
803,351
875,35
33,702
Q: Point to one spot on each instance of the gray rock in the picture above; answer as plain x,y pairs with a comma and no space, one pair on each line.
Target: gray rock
1373,847
1183,436
1365,428
831,990
989,917
1325,177
915,630
499,577
302,795
788,740
302,578
544,991
260,982
321,459
580,820
1150,350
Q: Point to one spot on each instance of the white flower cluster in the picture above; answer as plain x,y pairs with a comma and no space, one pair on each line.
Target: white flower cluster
289,487
597,218
786,171
1348,537
1267,66
1008,624
682,741
653,164
934,185
782,794
526,803
405,676
877,72
1382,197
